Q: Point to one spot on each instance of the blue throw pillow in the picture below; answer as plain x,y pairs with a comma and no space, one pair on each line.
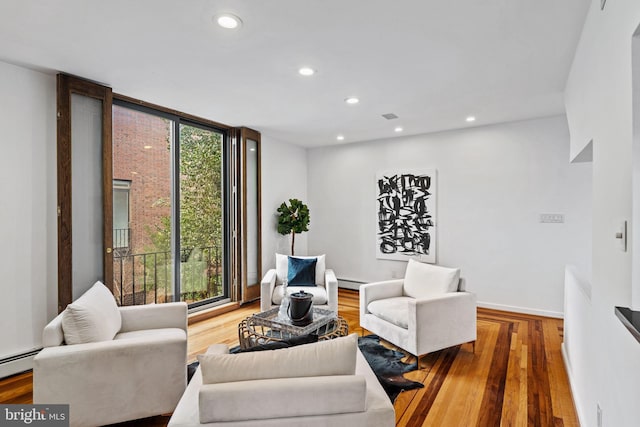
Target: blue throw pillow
302,271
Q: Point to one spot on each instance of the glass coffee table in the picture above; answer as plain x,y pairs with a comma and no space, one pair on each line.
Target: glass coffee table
265,327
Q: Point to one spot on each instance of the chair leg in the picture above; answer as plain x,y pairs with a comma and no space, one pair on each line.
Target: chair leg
473,346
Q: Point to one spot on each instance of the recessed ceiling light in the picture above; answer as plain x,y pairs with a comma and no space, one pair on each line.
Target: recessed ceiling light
398,129
351,100
340,137
471,119
306,71
228,21
147,147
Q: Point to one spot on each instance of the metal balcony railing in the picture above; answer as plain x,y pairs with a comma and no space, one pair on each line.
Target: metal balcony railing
147,277
121,238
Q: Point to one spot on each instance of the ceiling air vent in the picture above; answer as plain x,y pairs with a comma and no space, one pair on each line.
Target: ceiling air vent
389,116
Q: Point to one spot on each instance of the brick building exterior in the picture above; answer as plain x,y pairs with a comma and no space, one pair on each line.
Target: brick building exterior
141,157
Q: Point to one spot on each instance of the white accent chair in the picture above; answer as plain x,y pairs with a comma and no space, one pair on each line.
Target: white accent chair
110,363
428,310
290,387
325,293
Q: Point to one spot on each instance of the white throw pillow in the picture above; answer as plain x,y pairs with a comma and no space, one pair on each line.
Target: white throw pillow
330,357
91,318
282,268
426,280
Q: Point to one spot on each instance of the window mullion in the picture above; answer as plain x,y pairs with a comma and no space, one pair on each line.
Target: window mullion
175,197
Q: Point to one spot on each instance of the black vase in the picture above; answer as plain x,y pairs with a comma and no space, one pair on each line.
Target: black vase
300,308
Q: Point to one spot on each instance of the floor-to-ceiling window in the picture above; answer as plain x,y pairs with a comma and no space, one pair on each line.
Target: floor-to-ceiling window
175,174
157,204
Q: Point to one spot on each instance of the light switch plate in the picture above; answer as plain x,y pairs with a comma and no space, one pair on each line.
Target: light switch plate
552,218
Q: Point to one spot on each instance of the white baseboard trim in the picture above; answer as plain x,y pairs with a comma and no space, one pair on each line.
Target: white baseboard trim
576,403
18,363
524,310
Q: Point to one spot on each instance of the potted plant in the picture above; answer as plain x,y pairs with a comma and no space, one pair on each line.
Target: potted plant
293,218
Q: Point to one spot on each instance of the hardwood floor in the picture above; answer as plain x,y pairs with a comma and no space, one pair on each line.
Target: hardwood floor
516,376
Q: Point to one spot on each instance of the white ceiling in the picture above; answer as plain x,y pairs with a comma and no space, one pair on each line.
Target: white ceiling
430,62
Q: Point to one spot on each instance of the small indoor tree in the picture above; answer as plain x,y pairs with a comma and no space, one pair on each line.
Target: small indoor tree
294,218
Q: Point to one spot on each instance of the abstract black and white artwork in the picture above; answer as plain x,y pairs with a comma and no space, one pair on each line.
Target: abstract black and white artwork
406,203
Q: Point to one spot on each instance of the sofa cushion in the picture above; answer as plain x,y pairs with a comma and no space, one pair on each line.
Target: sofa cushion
294,397
301,271
319,293
91,318
282,268
426,280
331,357
393,310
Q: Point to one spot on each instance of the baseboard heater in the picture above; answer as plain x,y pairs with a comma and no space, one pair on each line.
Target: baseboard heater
17,363
349,284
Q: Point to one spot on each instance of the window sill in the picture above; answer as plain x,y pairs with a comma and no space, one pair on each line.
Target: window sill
212,312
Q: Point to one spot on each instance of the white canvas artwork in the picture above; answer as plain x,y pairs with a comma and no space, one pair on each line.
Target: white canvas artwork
406,207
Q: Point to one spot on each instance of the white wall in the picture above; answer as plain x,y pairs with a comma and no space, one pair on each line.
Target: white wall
578,325
28,253
284,176
598,99
493,183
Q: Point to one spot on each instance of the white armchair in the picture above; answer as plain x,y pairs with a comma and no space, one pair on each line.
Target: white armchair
426,311
137,373
325,293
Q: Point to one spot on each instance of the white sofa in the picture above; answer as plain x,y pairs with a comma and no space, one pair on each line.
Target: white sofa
328,383
325,293
137,373
428,310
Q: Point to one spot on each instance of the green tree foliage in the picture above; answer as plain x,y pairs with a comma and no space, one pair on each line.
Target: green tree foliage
200,213
200,188
294,218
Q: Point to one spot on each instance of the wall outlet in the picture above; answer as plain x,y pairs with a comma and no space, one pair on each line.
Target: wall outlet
599,419
552,218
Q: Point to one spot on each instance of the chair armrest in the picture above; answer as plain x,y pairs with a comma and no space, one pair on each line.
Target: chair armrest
267,285
154,316
53,335
379,290
450,316
339,394
331,285
82,370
